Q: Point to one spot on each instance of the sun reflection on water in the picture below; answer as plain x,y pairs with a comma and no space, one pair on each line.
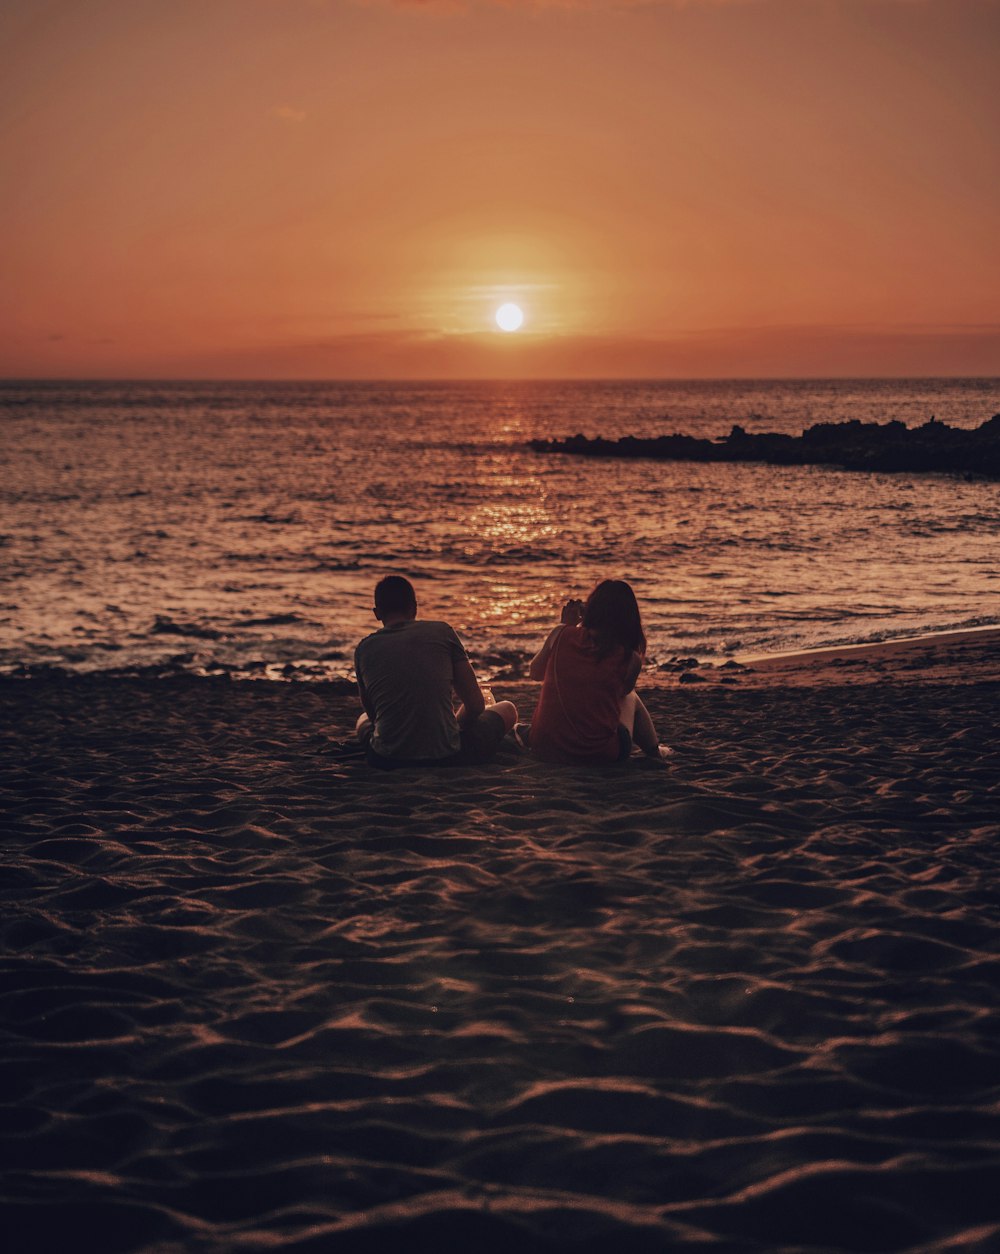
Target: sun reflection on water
502,525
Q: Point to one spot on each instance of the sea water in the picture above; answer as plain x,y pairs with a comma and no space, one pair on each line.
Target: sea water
241,527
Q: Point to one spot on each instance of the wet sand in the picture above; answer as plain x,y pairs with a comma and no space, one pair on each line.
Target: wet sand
256,996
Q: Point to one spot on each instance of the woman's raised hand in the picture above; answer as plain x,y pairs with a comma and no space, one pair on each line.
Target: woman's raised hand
572,613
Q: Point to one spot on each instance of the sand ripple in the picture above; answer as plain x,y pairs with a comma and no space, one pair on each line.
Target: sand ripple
253,996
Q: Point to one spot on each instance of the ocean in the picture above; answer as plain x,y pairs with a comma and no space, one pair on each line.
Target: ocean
154,527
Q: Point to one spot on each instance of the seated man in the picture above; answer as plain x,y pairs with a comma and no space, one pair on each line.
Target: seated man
406,673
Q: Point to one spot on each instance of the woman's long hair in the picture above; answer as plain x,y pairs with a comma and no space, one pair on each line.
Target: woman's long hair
611,616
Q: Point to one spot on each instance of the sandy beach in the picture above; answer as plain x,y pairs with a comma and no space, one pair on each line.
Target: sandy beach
255,996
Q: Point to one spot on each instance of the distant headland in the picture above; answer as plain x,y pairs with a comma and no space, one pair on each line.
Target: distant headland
854,445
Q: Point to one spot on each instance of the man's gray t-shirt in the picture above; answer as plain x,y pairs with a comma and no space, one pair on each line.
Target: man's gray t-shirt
406,671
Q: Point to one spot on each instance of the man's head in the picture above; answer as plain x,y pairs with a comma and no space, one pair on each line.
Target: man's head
395,598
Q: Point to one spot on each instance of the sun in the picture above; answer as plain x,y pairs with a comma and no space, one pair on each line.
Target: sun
509,317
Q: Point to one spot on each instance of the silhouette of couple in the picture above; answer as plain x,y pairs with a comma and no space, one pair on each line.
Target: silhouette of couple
588,711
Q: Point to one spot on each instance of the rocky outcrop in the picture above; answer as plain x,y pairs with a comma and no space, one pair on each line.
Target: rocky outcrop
854,445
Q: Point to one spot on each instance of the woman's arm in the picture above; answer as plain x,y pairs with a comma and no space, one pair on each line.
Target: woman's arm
632,672
572,613
536,667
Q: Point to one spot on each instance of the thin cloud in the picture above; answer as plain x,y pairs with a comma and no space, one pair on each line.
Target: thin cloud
594,6
771,352
463,6
286,113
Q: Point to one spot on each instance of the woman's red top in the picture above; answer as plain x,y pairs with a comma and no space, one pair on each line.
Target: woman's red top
578,711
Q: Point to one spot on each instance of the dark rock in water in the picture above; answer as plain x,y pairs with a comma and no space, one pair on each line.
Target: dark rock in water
270,620
854,445
164,626
689,677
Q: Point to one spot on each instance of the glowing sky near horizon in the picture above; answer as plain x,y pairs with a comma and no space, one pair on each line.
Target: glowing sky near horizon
310,189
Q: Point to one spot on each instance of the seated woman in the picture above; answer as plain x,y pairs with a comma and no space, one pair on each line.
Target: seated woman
588,711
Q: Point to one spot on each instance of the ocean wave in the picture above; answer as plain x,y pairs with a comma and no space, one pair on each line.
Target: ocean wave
172,506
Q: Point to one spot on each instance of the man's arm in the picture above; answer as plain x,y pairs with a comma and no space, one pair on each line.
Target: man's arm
363,692
469,692
363,696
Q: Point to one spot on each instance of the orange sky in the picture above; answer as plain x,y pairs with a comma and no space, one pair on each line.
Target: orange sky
340,188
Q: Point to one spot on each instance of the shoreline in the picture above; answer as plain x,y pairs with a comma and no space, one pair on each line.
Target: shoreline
785,663
943,633
958,656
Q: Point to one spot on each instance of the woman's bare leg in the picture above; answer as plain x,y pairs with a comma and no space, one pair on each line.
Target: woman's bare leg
507,710
635,718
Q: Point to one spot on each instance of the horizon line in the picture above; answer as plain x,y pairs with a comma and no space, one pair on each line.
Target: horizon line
410,379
